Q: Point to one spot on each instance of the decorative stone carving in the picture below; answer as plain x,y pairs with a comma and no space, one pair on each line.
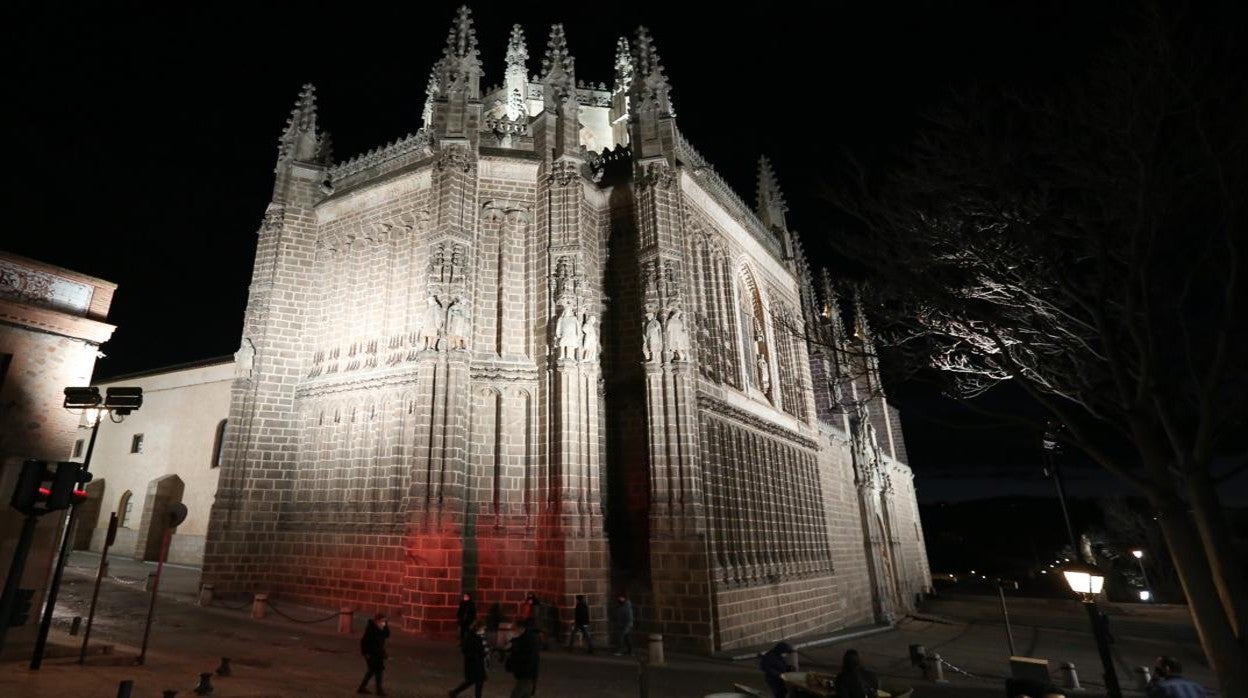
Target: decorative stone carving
454,158
589,338
567,333
431,324
457,328
245,359
652,339
564,172
677,336
658,175
763,371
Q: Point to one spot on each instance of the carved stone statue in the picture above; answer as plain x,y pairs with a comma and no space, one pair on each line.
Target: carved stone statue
677,335
652,339
431,323
457,324
589,338
567,333
763,369
244,359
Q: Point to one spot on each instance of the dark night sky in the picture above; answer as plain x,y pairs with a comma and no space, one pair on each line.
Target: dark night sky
141,140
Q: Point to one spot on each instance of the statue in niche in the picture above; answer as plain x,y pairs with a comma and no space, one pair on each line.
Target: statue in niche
564,280
652,338
589,338
438,259
763,369
244,359
457,263
677,335
457,324
431,322
567,333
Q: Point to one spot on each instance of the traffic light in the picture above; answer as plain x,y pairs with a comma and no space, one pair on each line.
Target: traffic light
43,487
21,608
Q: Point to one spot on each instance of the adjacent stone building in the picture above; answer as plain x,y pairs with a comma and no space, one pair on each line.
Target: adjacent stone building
51,328
540,345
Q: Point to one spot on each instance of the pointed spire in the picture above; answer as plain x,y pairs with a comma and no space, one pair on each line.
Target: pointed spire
461,40
431,92
623,65
517,50
460,65
650,88
558,67
302,140
862,329
771,204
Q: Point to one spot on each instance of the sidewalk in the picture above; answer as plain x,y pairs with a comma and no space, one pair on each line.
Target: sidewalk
278,657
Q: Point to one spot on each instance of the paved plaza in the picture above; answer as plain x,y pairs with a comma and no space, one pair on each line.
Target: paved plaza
280,657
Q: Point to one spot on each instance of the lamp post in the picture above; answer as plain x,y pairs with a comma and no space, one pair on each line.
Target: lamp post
1087,581
1053,470
116,403
1145,595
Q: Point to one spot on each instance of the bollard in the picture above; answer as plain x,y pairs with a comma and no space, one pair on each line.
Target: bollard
344,620
656,650
643,681
934,669
205,595
74,625
224,669
918,654
258,605
797,663
124,688
205,685
1142,677
1070,678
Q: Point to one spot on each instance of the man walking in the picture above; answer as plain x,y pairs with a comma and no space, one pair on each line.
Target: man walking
466,615
1168,681
523,660
373,647
580,623
624,619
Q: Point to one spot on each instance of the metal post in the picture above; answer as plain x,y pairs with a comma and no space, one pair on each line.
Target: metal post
99,577
67,541
1112,689
11,583
151,607
1009,634
1152,596
1054,470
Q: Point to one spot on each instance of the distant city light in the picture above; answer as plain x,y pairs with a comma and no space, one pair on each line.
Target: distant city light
1044,571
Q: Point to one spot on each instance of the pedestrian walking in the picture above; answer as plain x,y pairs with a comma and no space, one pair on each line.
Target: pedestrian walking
528,610
1168,681
624,621
523,659
373,647
475,653
466,615
855,681
580,623
775,662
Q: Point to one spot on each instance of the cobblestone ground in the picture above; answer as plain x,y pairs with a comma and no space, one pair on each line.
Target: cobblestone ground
280,657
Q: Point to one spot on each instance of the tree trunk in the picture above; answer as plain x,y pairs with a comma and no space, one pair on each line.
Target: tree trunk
1226,657
1215,535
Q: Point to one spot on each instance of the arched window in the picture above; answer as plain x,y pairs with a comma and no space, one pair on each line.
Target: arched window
124,508
218,445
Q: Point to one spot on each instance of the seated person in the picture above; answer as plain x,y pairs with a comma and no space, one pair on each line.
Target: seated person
854,681
774,663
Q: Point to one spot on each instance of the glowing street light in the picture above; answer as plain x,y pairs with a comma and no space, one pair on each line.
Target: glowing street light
1139,558
1087,581
1145,595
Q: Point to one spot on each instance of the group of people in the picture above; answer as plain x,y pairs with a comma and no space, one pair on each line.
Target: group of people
523,652
854,681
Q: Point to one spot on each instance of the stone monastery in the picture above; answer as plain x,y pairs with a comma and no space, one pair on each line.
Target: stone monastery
540,345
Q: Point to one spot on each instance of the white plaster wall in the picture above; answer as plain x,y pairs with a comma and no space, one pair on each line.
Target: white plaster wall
178,420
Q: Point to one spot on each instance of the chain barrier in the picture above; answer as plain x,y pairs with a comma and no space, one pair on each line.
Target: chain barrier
278,611
961,671
130,582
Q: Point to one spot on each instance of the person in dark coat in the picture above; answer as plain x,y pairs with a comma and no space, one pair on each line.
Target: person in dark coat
1168,681
624,619
373,647
580,623
775,662
523,659
466,615
854,681
475,653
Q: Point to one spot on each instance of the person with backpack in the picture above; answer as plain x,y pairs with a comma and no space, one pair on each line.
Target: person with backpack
523,659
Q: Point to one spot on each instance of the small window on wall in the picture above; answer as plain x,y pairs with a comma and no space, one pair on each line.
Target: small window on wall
136,443
77,449
218,445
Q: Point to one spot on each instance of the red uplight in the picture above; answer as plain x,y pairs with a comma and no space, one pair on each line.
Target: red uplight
45,492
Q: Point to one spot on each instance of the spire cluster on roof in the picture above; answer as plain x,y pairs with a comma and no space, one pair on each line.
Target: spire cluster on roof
302,139
771,203
623,65
517,50
558,65
650,89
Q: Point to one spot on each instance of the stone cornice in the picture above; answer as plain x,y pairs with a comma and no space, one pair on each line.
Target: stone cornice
725,410
55,322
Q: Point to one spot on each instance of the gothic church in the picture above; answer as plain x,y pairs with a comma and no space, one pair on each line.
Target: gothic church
540,345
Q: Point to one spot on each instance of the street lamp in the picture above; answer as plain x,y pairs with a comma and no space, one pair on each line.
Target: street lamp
1087,581
1145,595
117,403
1053,469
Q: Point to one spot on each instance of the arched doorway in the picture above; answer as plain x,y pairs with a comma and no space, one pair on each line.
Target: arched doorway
161,493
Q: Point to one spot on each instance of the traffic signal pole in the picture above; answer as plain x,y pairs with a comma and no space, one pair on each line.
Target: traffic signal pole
67,541
16,568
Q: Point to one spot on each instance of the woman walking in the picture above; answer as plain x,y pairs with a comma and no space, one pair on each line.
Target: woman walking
475,653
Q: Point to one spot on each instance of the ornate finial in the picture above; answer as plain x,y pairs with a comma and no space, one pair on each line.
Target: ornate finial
302,139
431,91
862,330
515,105
517,51
460,65
461,41
558,66
623,65
650,88
771,204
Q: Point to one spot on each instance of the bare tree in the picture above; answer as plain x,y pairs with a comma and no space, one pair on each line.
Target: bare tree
1087,245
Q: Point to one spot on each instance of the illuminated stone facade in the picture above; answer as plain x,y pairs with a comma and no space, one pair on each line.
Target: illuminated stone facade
540,345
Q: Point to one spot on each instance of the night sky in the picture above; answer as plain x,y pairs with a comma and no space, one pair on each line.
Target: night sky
141,141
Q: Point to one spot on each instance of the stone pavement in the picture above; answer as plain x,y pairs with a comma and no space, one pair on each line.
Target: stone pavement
279,657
